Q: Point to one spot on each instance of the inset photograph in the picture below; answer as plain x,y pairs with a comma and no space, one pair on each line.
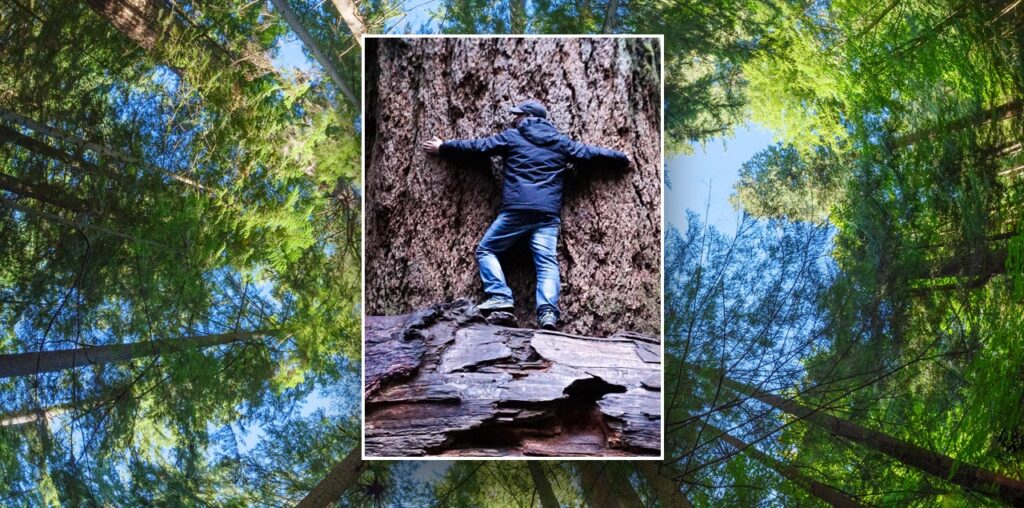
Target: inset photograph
513,247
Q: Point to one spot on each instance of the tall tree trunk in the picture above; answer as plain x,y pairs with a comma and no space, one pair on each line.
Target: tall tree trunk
426,215
42,149
27,417
812,486
1004,111
517,16
611,17
44,193
665,487
84,144
24,364
78,224
342,477
350,13
970,477
156,28
604,485
542,485
310,43
139,20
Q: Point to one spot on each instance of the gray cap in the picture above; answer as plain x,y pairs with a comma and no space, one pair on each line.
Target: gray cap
530,108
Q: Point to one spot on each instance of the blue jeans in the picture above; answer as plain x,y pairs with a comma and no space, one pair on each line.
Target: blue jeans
511,225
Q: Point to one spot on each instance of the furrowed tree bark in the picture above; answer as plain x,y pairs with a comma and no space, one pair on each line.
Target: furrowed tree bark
973,478
310,43
24,364
605,486
665,488
542,485
350,13
812,486
342,477
426,215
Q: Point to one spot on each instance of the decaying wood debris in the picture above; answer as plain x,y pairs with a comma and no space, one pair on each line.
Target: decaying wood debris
446,381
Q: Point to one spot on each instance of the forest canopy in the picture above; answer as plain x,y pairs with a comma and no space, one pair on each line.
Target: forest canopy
179,257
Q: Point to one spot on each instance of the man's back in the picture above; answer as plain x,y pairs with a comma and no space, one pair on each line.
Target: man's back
536,155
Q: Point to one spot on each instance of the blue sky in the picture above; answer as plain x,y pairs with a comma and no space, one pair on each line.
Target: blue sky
704,180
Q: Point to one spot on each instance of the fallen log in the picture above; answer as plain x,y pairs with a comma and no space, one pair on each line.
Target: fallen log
445,381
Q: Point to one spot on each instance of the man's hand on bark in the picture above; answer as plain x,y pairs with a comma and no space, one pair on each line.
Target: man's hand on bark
432,145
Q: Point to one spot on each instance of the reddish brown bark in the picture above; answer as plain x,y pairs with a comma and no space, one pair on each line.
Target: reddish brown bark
342,477
425,215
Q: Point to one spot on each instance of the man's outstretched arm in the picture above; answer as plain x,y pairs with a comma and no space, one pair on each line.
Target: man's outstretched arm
581,152
493,145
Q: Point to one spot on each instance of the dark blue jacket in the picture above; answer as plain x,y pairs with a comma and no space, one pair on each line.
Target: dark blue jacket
535,158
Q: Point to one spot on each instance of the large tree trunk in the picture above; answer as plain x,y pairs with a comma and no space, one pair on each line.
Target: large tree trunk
542,485
444,381
971,477
24,364
426,215
342,477
812,486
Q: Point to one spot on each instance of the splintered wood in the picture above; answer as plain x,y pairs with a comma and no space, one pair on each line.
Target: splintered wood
444,382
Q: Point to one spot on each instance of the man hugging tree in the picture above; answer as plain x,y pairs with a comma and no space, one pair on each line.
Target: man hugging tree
535,156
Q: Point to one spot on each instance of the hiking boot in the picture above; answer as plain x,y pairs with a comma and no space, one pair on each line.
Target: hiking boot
547,320
496,303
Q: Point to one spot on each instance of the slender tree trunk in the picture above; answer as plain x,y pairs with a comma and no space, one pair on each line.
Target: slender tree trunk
35,146
44,193
605,486
1004,111
812,486
542,485
84,144
88,404
611,17
517,16
342,477
310,43
970,477
27,417
77,224
665,488
24,364
350,13
425,215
